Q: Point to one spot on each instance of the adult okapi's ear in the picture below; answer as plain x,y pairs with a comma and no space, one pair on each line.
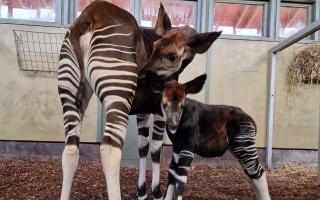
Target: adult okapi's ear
196,85
163,22
201,42
154,82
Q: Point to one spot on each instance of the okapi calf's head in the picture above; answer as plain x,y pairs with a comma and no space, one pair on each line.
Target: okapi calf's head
174,96
175,46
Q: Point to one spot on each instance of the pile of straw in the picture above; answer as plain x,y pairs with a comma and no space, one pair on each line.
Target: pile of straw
305,67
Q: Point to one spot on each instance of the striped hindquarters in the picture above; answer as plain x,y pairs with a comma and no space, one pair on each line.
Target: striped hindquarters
68,84
68,71
243,147
110,66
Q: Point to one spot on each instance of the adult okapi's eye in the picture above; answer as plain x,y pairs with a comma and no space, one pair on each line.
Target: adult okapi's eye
172,56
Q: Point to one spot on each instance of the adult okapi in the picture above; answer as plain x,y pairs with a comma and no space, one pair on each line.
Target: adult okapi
103,52
146,102
207,130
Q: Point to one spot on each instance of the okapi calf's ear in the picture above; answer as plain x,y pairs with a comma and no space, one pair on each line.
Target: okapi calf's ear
154,82
163,22
201,42
196,85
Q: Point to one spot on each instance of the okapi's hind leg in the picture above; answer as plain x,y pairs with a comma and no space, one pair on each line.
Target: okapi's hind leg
244,149
117,115
80,95
73,116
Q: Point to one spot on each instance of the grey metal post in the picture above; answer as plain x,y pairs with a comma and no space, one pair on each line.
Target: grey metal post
272,80
319,150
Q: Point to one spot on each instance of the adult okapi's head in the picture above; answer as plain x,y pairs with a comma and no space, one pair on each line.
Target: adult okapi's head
174,96
175,46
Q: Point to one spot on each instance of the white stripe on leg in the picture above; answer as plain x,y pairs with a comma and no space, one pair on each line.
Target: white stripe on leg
155,175
70,159
142,170
111,158
261,187
170,192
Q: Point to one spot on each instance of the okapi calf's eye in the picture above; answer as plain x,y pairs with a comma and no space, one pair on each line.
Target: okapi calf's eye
172,56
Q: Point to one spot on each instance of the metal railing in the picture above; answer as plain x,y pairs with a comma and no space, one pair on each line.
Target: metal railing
313,27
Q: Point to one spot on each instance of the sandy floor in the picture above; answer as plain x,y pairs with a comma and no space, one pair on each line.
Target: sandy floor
42,180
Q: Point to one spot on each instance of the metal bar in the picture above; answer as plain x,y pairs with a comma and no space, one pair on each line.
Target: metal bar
272,80
276,18
137,11
272,19
297,36
200,16
58,12
319,150
208,7
316,11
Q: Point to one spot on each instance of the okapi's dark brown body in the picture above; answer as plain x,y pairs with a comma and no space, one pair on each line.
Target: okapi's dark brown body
216,127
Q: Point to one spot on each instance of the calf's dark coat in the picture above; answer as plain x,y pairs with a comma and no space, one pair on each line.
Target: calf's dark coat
207,130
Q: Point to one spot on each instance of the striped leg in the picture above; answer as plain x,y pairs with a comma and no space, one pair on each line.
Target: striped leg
143,131
112,71
72,127
68,83
244,149
181,173
156,149
113,139
171,178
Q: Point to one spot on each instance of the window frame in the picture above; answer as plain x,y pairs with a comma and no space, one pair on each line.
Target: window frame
295,4
66,13
57,23
265,19
137,8
198,10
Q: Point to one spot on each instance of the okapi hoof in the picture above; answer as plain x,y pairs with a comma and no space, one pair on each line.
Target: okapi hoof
142,192
157,195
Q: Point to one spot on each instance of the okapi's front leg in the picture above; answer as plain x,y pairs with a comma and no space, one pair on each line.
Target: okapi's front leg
171,177
143,131
181,173
156,149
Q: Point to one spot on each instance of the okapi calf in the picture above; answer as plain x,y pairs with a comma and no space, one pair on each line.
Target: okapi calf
104,52
207,130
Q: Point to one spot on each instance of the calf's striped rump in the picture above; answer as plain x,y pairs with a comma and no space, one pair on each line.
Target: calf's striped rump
243,147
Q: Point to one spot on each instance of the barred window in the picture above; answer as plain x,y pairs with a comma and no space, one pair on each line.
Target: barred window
292,19
36,10
239,18
125,4
180,12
